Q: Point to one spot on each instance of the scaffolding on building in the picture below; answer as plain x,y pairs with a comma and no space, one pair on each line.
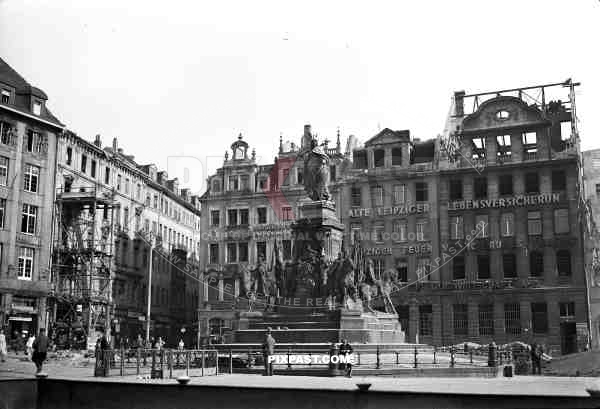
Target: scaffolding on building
82,265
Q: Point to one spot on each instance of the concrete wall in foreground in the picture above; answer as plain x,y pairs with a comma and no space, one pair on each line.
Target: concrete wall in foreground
18,394
62,394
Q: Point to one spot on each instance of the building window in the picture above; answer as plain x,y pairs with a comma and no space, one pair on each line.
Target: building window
69,156
216,186
483,267
118,183
356,229
243,251
273,183
539,317
262,215
512,318
423,269
31,178
480,188
379,157
396,156
127,186
567,310
232,219
504,147
287,249
400,230
261,249
377,193
563,263
378,231
532,184
561,221
215,218
35,142
509,265
425,320
402,268
559,181
461,319
458,268
37,108
378,266
214,253
422,230
233,183
399,194
421,191
25,263
534,223
93,169
456,189
359,159
597,189
107,175
3,171
536,264
286,213
83,163
244,217
355,196
507,226
486,319
245,183
231,252
482,226
332,173
456,228
506,185
299,177
5,96
2,212
28,221
478,148
138,191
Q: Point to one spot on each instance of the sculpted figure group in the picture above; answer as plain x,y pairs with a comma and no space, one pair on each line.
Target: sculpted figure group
338,281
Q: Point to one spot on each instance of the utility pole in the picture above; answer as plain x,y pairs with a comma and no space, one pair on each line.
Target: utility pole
149,305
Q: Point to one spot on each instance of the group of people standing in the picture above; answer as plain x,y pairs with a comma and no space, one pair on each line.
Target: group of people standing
36,348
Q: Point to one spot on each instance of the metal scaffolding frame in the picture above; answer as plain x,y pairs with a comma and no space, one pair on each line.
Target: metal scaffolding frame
82,260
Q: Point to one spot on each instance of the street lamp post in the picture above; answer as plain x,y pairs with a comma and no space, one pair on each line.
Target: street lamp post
148,306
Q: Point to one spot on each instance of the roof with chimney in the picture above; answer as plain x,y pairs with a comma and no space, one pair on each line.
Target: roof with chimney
13,82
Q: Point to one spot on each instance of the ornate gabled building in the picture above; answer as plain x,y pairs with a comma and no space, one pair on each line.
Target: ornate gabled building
247,212
28,140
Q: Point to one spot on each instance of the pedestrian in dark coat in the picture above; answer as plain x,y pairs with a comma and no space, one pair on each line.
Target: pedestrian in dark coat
40,350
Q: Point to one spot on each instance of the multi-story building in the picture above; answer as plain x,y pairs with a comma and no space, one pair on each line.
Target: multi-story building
28,137
591,183
111,214
388,204
510,222
247,212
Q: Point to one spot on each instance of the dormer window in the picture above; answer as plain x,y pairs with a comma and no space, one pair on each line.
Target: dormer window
37,107
5,96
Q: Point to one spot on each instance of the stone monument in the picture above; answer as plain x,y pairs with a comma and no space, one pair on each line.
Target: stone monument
326,298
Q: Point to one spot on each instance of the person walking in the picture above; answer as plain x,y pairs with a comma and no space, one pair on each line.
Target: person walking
536,358
346,351
268,350
181,345
40,349
3,346
29,345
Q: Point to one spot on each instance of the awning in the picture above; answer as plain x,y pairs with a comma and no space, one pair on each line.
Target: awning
28,319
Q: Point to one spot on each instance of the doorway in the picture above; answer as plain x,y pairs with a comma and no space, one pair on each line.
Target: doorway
568,338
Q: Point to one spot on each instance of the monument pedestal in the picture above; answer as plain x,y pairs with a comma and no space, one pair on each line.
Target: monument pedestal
307,316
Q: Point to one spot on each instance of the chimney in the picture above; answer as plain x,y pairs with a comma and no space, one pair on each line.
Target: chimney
98,141
459,103
120,150
114,146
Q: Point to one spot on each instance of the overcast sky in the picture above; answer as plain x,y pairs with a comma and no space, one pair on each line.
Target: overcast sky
173,79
